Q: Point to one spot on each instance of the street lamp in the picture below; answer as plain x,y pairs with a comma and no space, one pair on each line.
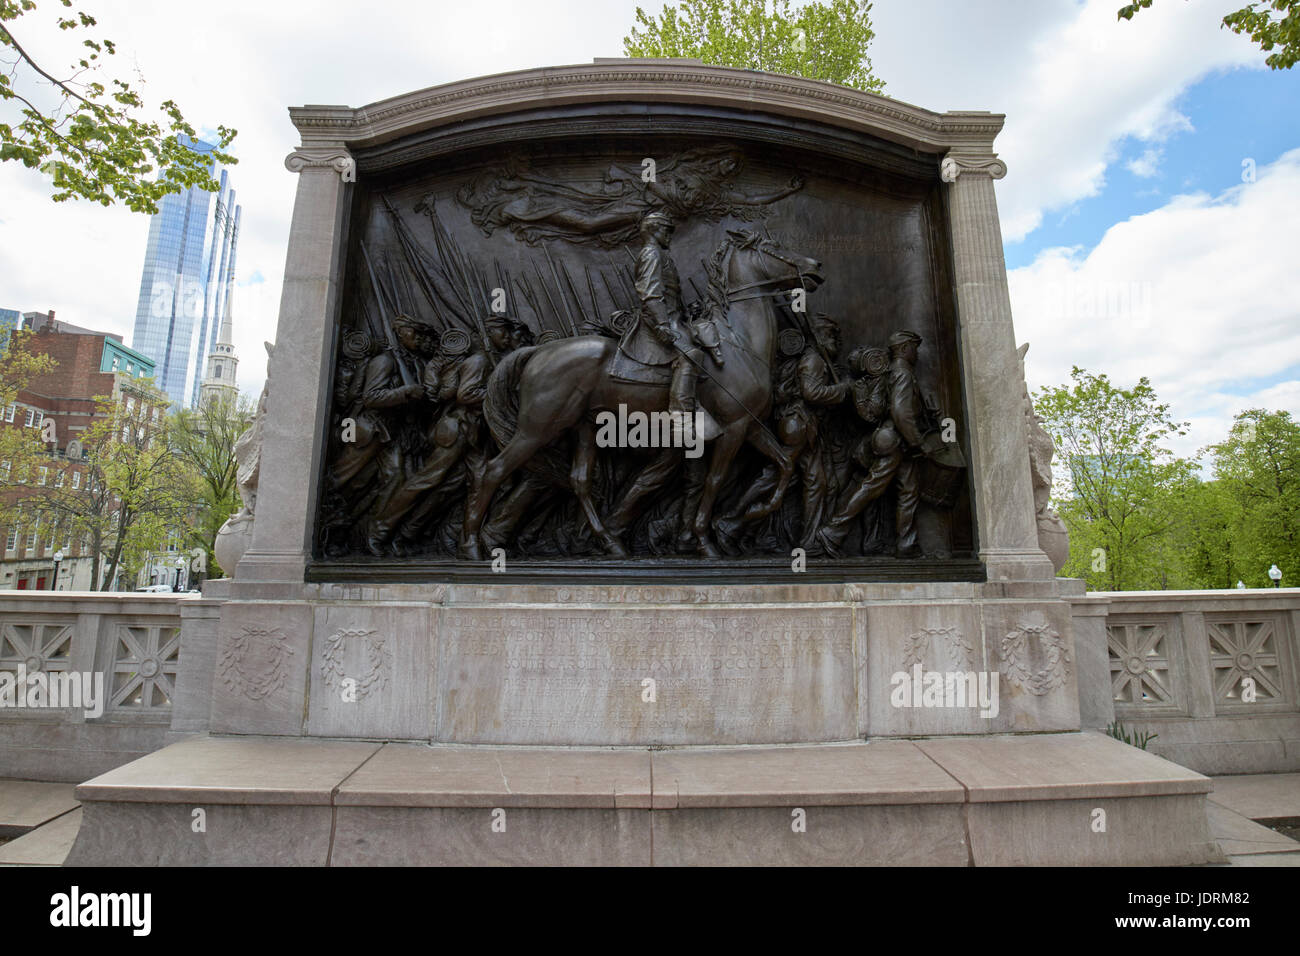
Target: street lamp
180,566
1275,575
58,559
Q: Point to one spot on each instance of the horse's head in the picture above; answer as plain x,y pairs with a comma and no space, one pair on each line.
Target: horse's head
758,261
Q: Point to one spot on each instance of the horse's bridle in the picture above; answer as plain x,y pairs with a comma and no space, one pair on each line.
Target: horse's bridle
759,293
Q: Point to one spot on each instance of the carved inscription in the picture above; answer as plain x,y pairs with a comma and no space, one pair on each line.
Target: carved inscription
720,675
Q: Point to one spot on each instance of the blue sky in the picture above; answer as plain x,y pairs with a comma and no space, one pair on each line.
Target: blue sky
1235,115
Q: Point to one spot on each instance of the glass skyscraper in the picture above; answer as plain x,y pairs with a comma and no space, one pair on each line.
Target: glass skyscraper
188,270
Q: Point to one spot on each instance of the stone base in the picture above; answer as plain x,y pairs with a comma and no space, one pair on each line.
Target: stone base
630,665
1044,799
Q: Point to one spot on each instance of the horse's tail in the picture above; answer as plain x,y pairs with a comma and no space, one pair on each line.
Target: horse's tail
501,409
501,404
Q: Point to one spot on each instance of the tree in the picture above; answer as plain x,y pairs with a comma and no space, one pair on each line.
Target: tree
822,41
204,438
136,489
1258,465
1255,21
1118,479
19,447
93,140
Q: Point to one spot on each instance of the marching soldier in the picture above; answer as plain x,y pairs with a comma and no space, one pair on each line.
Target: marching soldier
456,436
802,387
909,433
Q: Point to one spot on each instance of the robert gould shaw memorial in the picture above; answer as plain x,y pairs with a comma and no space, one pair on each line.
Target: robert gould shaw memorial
662,407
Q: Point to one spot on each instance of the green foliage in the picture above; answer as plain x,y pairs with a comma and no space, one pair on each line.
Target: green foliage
94,143
822,41
1140,518
1119,479
1258,469
1255,20
204,438
1138,740
134,491
20,448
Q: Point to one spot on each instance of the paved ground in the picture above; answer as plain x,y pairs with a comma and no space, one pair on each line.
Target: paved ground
1238,801
39,821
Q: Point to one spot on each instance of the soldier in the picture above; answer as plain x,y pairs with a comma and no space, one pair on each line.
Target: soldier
802,386
505,334
457,434
909,433
369,393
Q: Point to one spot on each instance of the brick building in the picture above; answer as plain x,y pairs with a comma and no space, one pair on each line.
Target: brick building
61,403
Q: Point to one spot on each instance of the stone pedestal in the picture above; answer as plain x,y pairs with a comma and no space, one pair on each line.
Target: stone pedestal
962,801
652,665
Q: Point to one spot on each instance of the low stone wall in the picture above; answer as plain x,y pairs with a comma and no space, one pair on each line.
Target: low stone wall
131,642
1212,673
1172,663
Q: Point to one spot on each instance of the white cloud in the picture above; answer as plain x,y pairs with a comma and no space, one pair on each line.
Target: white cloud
1198,295
1146,165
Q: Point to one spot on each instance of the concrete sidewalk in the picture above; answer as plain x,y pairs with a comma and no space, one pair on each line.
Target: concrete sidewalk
1237,802
39,822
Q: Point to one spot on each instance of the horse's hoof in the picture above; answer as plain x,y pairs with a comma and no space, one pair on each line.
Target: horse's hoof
470,549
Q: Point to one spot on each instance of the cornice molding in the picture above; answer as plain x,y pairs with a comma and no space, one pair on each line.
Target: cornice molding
634,81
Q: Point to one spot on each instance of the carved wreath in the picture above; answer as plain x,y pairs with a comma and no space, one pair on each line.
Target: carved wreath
1015,653
956,646
332,668
255,662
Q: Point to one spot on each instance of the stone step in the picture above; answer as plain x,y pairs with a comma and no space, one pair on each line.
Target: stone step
996,800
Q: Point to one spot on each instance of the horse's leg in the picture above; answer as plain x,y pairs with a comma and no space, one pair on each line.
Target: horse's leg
520,449
725,447
647,481
584,463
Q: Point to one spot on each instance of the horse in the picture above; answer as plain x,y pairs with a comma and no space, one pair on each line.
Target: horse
538,393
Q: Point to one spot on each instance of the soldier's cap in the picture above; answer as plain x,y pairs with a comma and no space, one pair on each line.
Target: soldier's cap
505,320
824,321
902,337
656,218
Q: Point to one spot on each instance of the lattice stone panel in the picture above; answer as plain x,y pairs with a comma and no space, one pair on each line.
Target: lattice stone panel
1142,668
1248,648
143,673
40,646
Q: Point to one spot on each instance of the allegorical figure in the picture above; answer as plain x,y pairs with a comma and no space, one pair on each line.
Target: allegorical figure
699,183
908,434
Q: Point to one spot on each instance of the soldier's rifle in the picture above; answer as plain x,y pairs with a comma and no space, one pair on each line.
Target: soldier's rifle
389,334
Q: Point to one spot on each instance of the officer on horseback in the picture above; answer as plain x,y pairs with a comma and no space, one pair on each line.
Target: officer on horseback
670,340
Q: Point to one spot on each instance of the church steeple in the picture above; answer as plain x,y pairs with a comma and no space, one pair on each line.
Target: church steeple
219,379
